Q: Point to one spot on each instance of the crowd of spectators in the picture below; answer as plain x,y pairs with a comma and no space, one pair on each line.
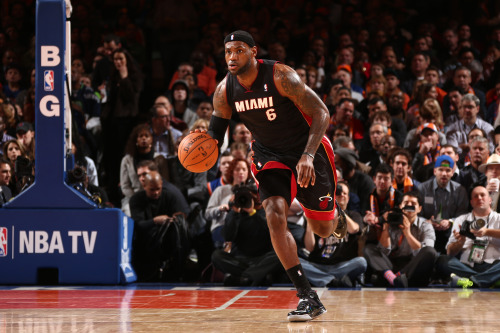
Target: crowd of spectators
413,92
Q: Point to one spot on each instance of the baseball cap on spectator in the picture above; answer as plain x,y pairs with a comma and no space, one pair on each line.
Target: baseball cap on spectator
391,72
430,126
348,155
13,65
180,82
24,127
444,161
344,67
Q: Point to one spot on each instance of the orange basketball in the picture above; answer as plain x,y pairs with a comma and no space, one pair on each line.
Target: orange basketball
198,152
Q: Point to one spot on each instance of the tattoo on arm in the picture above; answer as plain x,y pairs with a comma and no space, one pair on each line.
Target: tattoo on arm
290,85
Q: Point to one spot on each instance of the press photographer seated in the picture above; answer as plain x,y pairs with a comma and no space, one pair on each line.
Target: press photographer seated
475,239
404,255
248,257
218,204
160,244
79,180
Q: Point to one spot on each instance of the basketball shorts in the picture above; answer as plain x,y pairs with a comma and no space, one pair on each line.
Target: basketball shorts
277,176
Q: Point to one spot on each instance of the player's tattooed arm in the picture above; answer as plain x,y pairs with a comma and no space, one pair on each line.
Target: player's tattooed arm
221,106
290,85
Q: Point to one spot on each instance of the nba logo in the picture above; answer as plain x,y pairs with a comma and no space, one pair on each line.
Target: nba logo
3,242
48,80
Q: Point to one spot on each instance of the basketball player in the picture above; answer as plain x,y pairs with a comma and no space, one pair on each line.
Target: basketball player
288,123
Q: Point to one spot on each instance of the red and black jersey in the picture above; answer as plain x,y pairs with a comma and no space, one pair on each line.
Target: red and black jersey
277,125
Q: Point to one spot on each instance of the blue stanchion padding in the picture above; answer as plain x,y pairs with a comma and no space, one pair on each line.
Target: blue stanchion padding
49,189
83,246
50,226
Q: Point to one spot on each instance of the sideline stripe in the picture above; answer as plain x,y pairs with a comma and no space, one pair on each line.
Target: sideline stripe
233,300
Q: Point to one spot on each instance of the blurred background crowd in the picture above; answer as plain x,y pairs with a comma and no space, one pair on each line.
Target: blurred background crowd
405,83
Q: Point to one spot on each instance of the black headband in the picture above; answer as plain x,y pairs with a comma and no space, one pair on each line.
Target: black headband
240,35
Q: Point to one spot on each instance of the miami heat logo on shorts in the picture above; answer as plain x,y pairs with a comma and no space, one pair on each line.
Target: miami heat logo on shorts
324,201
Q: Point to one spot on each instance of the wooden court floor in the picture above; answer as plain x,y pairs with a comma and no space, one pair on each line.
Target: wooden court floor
174,308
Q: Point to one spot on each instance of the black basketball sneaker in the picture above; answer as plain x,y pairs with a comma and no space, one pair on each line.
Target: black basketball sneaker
309,307
341,229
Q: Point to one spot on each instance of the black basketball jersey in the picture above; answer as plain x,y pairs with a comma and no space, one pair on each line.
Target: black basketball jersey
278,127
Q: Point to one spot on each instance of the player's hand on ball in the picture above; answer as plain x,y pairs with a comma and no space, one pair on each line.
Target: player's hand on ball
305,171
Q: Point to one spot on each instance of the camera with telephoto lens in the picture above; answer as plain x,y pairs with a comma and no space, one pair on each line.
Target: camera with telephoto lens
76,178
395,216
243,195
467,226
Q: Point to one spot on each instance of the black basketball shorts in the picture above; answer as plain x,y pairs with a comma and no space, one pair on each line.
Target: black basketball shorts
276,177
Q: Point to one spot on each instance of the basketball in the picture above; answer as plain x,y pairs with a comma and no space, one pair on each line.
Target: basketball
198,152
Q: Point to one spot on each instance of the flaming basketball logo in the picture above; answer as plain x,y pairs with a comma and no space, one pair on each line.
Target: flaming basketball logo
324,200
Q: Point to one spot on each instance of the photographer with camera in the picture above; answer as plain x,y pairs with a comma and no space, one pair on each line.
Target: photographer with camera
476,239
79,179
218,204
161,244
248,257
405,255
383,197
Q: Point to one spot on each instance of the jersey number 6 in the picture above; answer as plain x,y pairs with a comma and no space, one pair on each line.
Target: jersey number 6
271,115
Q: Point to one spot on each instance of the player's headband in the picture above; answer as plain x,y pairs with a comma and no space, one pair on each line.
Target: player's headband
241,36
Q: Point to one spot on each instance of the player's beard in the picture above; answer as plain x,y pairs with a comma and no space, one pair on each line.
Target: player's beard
243,69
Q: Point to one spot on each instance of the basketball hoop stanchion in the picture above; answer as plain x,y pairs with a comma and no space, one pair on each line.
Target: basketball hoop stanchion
50,232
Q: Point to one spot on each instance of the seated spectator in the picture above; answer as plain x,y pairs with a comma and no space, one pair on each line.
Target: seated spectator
191,184
491,169
180,101
359,183
465,156
139,148
443,200
164,136
404,255
12,150
334,262
4,137
13,79
462,78
430,113
369,152
387,144
383,198
26,137
82,160
205,110
392,78
395,126
428,148
451,105
400,162
344,116
479,154
457,131
478,245
78,177
5,177
218,204
160,247
248,257
225,160
242,134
